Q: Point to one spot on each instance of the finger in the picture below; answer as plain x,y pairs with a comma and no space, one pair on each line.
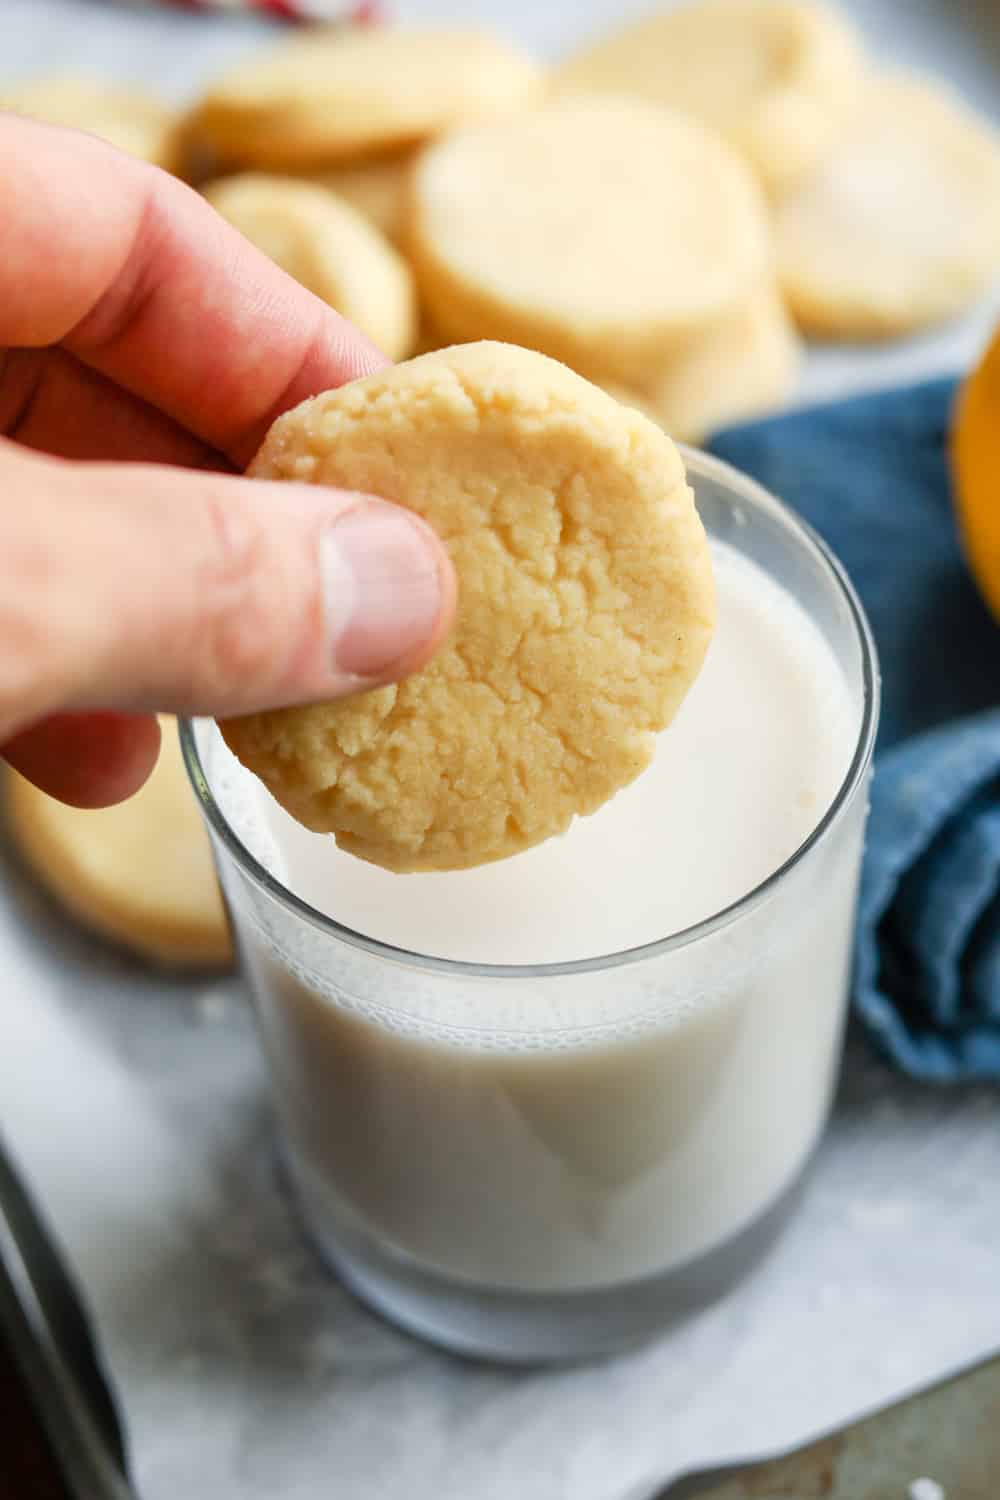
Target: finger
157,292
87,759
139,587
52,403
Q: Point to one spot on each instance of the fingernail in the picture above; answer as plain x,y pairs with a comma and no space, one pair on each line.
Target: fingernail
382,586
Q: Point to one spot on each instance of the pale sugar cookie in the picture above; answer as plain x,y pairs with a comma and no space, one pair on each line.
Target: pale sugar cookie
744,367
777,78
430,337
335,95
133,122
601,231
376,187
585,609
140,873
327,246
901,226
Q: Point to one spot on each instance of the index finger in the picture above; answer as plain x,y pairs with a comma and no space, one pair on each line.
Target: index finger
138,277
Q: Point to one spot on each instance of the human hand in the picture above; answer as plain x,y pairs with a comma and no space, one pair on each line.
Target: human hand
145,349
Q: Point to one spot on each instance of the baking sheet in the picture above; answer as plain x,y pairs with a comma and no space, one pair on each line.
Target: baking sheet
137,1107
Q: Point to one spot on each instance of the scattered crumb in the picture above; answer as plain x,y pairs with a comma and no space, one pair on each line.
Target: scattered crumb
926,1489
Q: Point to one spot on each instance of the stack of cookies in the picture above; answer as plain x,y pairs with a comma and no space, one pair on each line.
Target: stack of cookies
665,211
618,236
317,141
613,233
659,212
884,189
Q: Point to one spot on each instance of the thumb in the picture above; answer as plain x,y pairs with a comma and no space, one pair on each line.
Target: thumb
143,587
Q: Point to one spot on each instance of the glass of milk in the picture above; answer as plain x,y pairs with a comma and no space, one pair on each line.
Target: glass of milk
538,1109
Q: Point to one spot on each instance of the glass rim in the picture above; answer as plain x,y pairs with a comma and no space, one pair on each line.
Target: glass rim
697,463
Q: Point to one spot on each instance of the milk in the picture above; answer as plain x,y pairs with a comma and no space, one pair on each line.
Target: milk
769,714
553,1132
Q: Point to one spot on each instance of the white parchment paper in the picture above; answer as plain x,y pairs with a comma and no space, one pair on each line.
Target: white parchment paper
137,1108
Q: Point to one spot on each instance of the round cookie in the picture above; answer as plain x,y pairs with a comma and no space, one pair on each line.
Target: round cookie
742,368
131,121
627,396
140,873
777,78
585,609
624,230
430,337
330,96
327,246
376,187
901,226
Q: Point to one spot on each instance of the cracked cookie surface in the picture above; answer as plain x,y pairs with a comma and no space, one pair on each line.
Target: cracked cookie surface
585,609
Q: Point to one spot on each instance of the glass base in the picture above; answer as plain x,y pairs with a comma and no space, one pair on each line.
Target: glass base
514,1327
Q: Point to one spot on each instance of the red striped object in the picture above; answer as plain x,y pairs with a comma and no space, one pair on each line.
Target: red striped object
362,11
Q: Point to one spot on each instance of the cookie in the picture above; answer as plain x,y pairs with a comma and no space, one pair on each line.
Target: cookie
777,78
327,246
376,187
331,96
140,873
744,367
601,231
901,226
131,121
585,609
429,336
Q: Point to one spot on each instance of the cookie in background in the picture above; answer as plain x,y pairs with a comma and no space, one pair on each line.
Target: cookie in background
776,78
327,246
139,873
132,121
337,96
900,226
603,232
742,367
374,185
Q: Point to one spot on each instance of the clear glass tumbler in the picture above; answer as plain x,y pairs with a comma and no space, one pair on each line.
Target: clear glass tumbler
527,1188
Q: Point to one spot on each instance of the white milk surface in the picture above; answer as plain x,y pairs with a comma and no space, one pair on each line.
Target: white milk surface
739,780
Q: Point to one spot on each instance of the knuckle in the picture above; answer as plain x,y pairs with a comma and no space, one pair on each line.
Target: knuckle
27,687
33,658
244,602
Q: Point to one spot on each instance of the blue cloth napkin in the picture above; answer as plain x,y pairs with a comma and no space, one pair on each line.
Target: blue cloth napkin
871,475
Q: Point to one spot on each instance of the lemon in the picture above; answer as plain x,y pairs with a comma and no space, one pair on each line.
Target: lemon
975,464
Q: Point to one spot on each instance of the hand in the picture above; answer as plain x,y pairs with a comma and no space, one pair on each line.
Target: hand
148,348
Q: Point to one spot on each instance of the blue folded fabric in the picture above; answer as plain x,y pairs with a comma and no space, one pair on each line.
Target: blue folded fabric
871,475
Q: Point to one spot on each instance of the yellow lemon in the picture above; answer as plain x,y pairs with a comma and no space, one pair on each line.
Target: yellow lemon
975,463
